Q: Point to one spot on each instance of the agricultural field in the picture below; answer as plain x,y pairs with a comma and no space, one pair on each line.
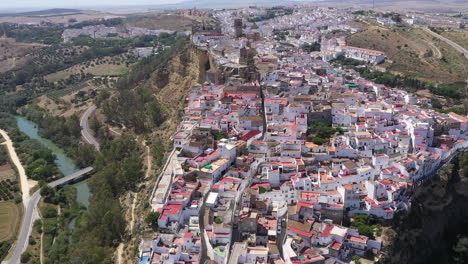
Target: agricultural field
9,189
413,53
7,173
15,54
52,17
66,102
10,215
162,21
107,66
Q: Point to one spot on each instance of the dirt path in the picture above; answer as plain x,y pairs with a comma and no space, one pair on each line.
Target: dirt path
41,256
149,164
119,253
22,174
115,131
132,222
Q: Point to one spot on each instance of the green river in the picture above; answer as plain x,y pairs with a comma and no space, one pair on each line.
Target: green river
65,164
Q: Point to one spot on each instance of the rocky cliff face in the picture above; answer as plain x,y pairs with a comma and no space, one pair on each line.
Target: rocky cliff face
437,219
172,82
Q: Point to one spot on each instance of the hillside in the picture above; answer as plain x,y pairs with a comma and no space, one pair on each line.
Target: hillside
402,5
46,12
437,222
172,83
160,21
169,83
459,37
414,53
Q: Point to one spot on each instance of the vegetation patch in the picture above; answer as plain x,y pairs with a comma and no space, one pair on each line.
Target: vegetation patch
413,53
10,216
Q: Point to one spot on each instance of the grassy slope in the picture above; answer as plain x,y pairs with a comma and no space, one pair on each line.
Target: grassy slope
9,220
459,37
14,54
110,65
168,22
413,52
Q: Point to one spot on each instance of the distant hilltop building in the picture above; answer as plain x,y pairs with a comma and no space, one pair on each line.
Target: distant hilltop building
386,21
413,20
193,12
334,47
368,55
102,31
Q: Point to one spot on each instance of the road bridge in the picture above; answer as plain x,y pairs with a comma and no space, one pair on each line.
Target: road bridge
31,214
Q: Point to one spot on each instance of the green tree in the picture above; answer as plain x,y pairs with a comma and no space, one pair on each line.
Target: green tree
49,211
461,251
47,192
261,189
25,257
366,230
318,140
152,218
356,259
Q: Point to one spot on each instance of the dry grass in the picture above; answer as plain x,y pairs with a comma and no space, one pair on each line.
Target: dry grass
10,216
63,106
183,75
400,5
168,22
107,66
7,172
82,16
413,52
15,54
459,37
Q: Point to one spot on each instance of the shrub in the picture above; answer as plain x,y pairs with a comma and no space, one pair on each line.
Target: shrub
25,257
261,189
18,199
49,211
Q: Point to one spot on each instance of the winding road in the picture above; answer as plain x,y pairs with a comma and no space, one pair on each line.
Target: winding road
31,214
448,41
85,129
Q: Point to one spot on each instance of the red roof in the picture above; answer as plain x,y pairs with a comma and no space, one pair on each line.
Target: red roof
218,186
301,204
326,232
300,232
336,245
172,209
250,134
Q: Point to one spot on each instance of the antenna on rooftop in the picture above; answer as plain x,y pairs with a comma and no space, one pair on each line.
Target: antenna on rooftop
373,5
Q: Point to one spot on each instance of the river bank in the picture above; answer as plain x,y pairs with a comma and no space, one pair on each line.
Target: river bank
63,162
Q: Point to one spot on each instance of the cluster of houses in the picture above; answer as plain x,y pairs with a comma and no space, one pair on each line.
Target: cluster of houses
102,31
247,182
332,48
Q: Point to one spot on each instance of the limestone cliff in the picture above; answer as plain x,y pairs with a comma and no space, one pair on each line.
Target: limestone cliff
172,82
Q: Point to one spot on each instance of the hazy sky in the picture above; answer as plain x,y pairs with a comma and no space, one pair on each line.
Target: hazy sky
6,4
